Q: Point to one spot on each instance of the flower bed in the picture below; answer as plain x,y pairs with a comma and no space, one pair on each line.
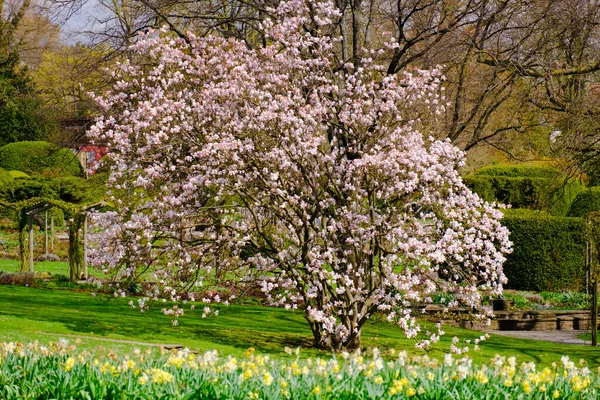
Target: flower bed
60,371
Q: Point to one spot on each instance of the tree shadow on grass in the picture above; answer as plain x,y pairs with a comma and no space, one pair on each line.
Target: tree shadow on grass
265,329
262,342
540,351
268,330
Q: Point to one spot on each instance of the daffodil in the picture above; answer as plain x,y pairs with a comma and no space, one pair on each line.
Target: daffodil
69,363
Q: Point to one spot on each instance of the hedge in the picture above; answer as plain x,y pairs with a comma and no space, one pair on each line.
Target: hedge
78,190
39,158
532,187
585,202
24,189
6,182
518,171
70,189
18,174
548,254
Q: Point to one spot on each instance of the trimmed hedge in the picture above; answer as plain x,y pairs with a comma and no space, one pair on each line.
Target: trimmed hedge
548,254
23,189
518,171
532,187
6,182
39,158
18,174
585,202
78,190
70,189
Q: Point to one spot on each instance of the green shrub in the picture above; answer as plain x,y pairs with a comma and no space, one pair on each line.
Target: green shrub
551,297
99,179
576,300
18,174
548,252
532,187
519,302
519,171
6,183
6,187
39,158
585,202
24,189
78,190
72,189
518,192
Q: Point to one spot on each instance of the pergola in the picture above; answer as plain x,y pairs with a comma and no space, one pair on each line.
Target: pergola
30,211
78,227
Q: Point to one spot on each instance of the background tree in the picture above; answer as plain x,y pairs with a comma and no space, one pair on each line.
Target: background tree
66,76
552,50
22,116
516,70
36,35
315,180
485,99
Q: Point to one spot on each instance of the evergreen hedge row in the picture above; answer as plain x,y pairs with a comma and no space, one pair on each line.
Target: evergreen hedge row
39,158
70,188
586,202
519,171
532,187
548,254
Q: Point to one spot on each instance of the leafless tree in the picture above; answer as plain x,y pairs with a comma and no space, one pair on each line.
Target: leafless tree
513,66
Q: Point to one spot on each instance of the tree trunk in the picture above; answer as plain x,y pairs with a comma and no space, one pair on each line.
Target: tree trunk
328,342
75,250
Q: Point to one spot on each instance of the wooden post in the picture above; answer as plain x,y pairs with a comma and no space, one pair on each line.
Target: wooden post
52,232
85,266
31,269
46,233
594,311
588,281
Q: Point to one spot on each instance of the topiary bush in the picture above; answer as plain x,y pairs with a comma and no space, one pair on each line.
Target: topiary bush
18,174
548,254
23,189
6,183
78,190
585,202
39,158
533,187
70,189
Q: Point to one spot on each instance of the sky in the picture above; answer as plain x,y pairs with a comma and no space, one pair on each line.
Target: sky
83,20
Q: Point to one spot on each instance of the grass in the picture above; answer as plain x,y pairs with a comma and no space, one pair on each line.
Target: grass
53,268
28,314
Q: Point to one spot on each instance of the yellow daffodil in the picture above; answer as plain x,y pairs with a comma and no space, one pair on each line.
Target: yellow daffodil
69,363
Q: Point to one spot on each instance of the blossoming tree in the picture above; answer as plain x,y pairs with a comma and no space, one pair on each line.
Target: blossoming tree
284,164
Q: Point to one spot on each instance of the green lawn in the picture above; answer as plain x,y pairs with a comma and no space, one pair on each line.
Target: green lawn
52,267
27,314
55,268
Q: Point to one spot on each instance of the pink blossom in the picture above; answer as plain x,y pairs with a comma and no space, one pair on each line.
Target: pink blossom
272,165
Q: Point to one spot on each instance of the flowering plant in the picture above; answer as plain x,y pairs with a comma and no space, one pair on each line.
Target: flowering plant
287,166
60,371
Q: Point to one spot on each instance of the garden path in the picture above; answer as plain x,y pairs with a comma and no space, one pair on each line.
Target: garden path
566,337
161,345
